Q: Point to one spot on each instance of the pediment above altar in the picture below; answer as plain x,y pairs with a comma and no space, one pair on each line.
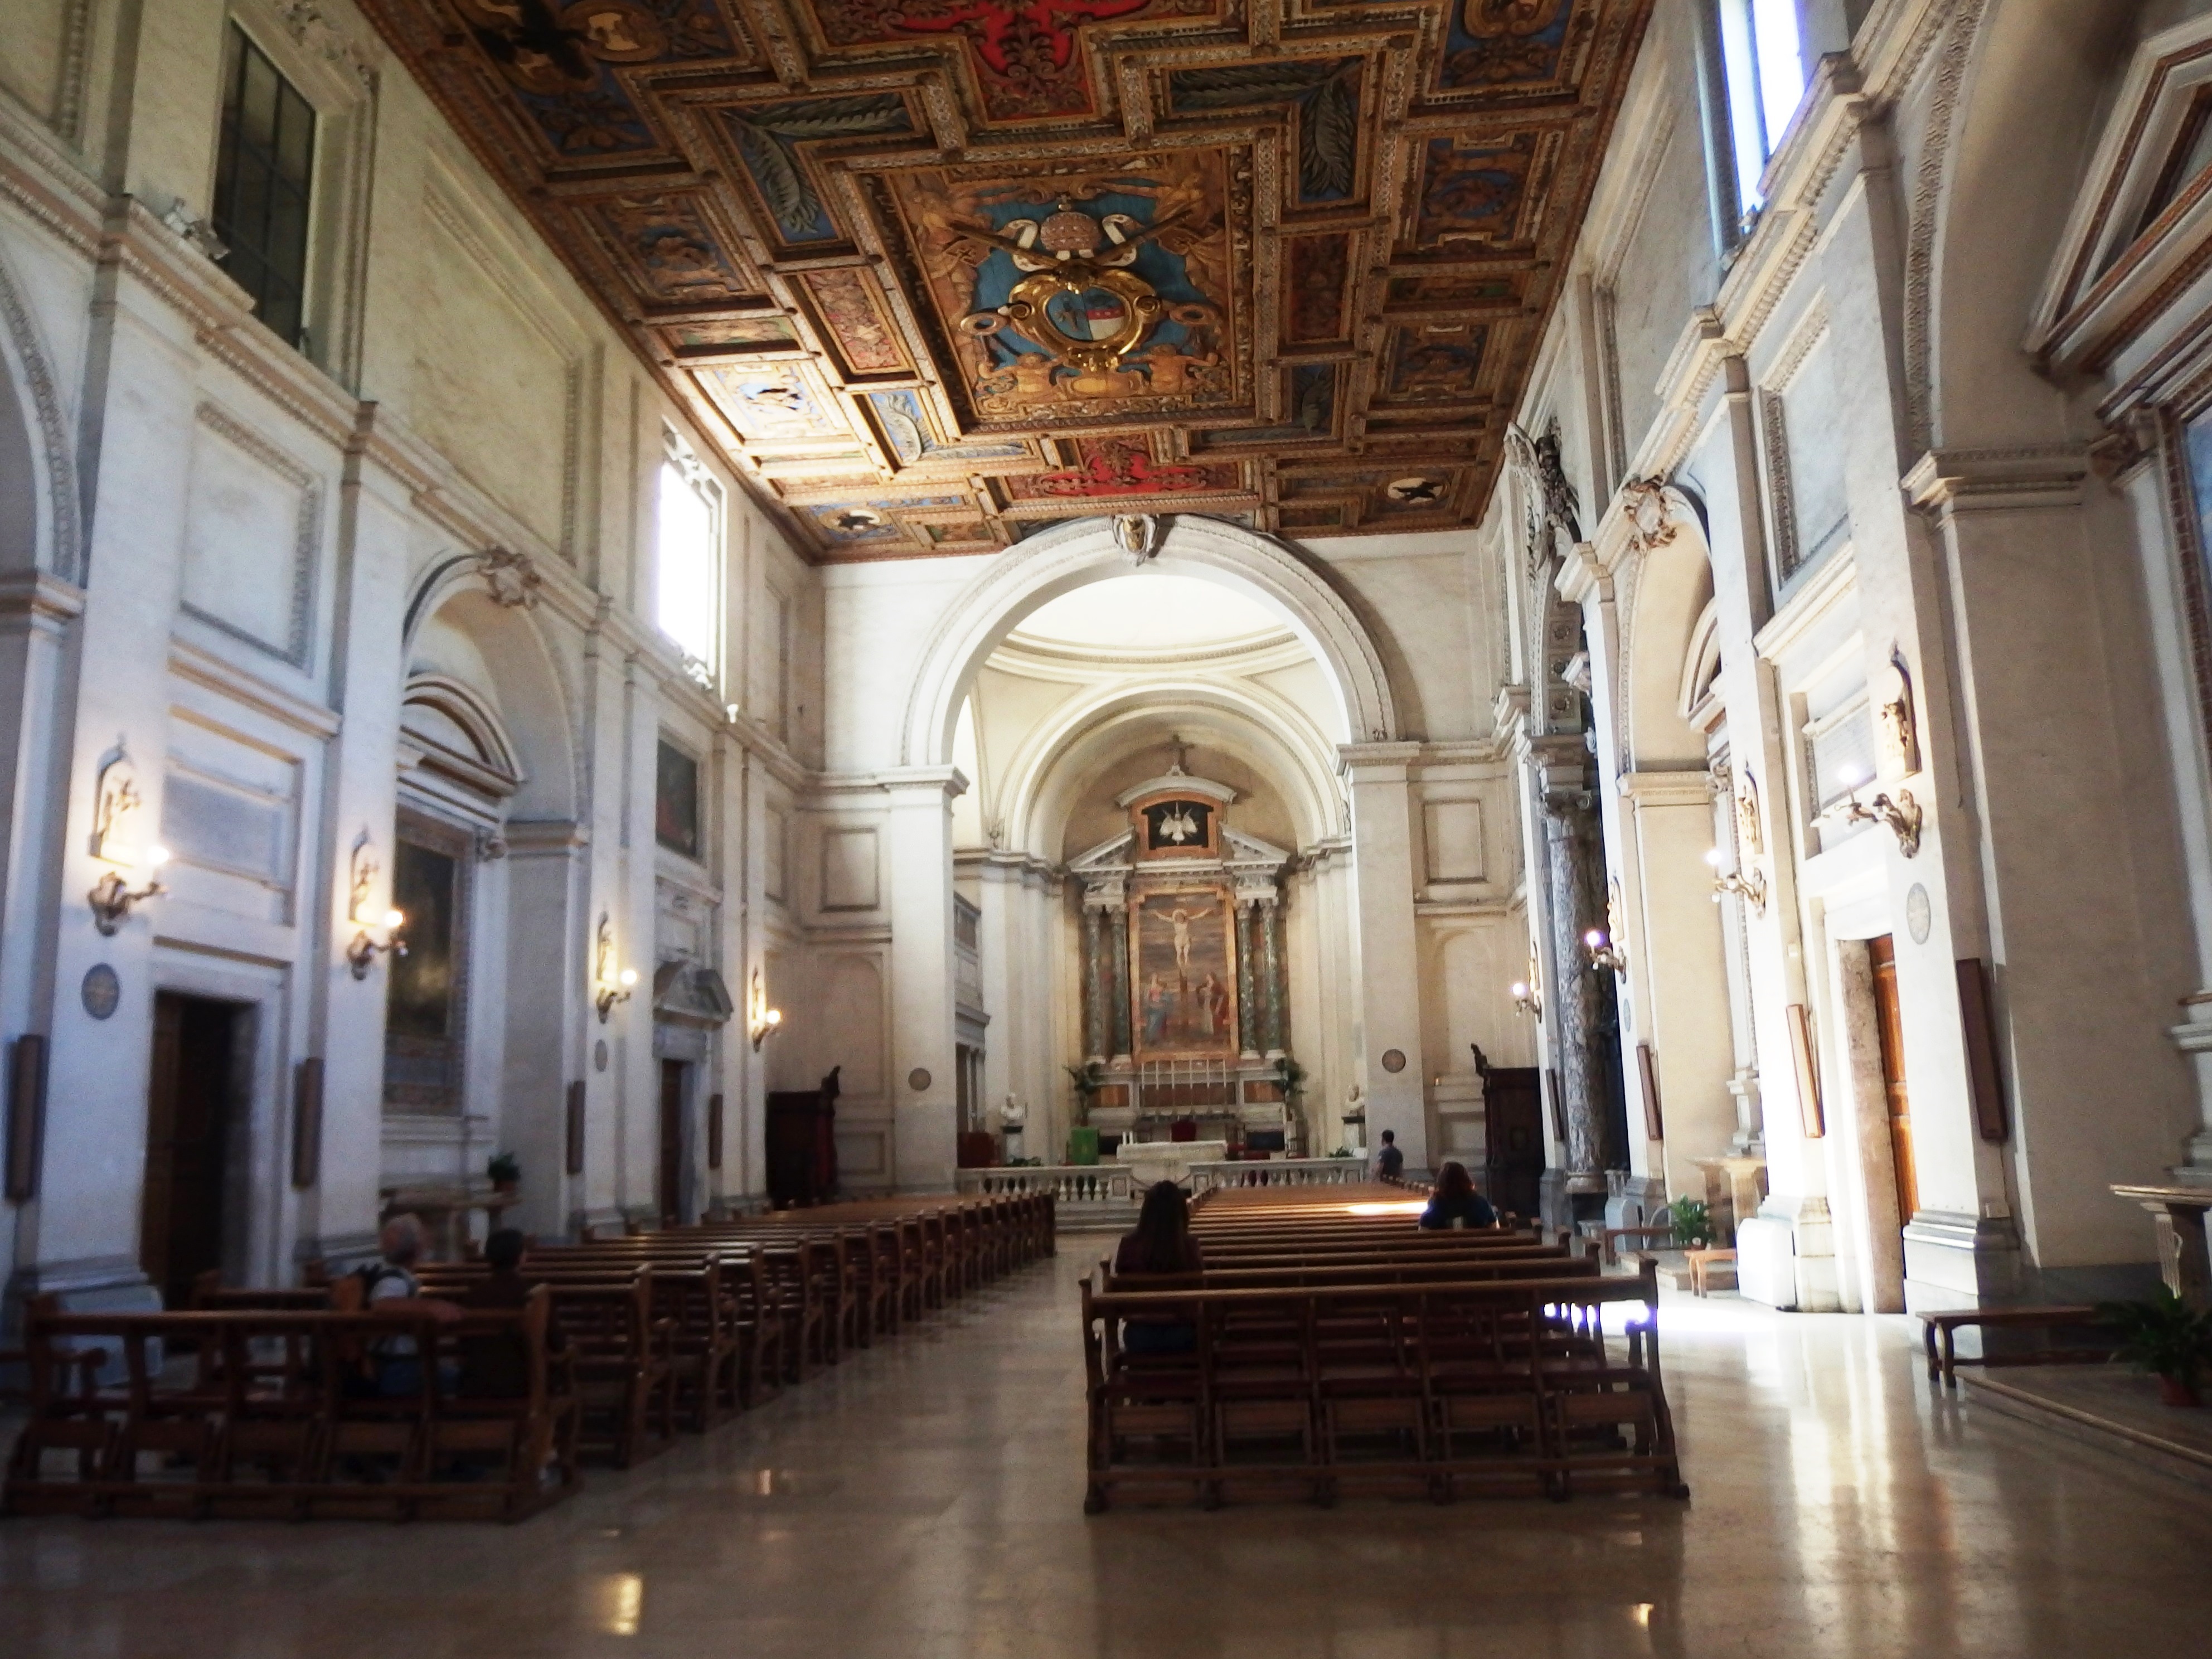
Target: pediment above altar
1176,781
1239,848
1115,854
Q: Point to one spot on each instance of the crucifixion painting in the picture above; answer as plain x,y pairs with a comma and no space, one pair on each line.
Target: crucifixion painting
1184,969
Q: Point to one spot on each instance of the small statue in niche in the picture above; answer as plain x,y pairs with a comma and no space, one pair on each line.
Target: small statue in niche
1750,838
1895,728
115,805
365,872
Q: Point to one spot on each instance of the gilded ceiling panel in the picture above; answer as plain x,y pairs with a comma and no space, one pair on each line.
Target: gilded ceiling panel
934,271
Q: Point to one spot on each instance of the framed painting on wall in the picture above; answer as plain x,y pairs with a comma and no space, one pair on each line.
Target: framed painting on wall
1182,968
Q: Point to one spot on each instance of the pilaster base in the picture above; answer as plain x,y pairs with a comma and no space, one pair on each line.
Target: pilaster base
339,1253
106,1284
1957,1261
1785,1255
1631,1200
1567,1198
2196,1169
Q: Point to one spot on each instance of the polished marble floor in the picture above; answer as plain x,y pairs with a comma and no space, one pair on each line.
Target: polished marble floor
924,1500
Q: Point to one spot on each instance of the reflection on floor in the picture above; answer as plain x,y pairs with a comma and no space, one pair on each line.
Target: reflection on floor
925,1500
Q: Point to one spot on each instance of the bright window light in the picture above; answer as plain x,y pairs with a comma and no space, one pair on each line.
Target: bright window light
1761,50
689,597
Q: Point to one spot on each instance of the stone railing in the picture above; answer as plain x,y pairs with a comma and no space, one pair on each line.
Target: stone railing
1073,1185
1108,1195
1279,1172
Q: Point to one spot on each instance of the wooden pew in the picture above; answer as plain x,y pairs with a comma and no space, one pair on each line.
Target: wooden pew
1495,1383
230,1435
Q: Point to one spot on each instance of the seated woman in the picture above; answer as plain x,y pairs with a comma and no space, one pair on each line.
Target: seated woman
1454,1203
1161,1244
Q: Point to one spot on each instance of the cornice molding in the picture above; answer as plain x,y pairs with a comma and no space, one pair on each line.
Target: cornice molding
201,667
1946,481
38,597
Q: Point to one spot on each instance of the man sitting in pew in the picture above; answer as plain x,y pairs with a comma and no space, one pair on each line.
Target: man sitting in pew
496,1365
1454,1203
1160,1244
389,1287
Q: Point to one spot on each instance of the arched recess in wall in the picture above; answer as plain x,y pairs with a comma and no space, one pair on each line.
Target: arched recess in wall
2000,161
1270,735
1060,560
39,526
1674,595
484,858
502,658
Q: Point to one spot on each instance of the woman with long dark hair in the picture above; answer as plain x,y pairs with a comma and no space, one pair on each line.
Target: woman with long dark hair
1454,1203
1161,1244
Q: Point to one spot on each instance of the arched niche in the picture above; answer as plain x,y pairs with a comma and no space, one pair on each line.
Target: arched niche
38,523
490,657
1673,600
1273,742
1999,166
1062,560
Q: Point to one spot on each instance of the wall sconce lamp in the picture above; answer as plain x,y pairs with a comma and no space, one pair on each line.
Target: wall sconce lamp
111,898
1901,815
1526,999
364,951
619,991
762,1022
1749,885
1603,952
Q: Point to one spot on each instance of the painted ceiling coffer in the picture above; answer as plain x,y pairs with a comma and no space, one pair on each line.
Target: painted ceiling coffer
934,271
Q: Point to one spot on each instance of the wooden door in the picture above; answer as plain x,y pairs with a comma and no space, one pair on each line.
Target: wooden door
671,1141
1513,1127
1889,1023
180,1215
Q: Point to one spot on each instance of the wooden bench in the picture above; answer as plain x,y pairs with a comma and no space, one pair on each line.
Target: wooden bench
1437,1387
1938,1335
226,1433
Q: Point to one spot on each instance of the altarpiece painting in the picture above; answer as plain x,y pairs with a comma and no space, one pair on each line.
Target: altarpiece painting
1184,968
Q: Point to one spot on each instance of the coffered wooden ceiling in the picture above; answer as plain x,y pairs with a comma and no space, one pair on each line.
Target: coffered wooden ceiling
1339,224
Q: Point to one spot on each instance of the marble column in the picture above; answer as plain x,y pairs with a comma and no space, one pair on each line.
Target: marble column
1094,1010
1574,873
1271,932
1118,1036
1247,1007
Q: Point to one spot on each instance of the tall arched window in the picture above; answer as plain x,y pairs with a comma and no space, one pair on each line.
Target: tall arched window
1763,48
1751,77
688,565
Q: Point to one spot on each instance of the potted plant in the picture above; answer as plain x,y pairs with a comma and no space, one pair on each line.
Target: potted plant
1088,1080
504,1170
1693,1223
2166,1336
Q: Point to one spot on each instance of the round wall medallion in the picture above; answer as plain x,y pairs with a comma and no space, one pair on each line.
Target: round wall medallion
918,1079
1916,913
1393,1059
599,1056
101,990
